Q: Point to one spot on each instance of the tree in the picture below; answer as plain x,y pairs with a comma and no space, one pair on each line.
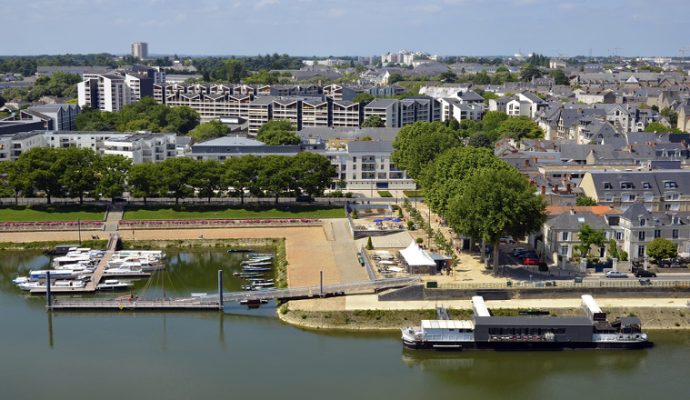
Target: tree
491,121
181,119
613,249
40,169
479,139
520,128
442,178
363,97
583,200
373,121
78,171
661,249
530,72
278,132
145,180
670,114
494,203
589,237
11,182
177,176
658,127
208,178
559,77
92,119
241,174
395,77
370,245
417,144
275,175
279,138
209,130
313,173
234,70
2,100
112,171
448,77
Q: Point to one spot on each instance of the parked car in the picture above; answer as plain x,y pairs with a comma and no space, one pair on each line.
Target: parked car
506,239
530,261
645,281
528,254
641,273
519,250
616,274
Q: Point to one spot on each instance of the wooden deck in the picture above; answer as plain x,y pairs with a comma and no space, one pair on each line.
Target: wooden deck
96,277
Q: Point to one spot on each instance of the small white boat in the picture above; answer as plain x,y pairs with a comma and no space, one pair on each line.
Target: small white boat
113,284
20,279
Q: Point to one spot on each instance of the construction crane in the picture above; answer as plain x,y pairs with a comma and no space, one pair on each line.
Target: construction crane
613,51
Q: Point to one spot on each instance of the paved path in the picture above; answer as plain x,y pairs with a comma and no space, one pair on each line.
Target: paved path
115,214
345,252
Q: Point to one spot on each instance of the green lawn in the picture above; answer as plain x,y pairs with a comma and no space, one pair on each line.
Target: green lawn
51,213
199,212
385,193
413,193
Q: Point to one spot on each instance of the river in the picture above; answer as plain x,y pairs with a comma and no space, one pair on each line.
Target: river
251,353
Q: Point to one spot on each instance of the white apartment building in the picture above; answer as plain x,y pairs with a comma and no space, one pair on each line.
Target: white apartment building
139,147
142,147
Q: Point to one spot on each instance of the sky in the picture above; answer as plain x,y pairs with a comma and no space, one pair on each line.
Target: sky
346,27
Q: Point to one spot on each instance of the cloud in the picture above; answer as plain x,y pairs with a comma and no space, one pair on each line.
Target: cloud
335,12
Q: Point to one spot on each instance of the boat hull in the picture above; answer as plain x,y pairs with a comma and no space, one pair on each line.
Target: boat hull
524,346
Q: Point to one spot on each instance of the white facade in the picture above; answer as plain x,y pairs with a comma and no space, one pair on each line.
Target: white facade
140,50
142,147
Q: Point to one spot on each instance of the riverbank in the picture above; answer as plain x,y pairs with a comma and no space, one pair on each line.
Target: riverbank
365,313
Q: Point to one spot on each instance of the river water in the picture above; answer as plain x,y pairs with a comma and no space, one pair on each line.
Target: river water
251,353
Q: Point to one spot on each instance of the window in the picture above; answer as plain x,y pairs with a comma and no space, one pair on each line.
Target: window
657,233
646,185
627,185
641,235
643,222
628,197
564,236
640,251
619,235
674,234
564,250
607,185
670,185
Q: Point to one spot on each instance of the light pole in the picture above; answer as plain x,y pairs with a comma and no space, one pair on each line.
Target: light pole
79,229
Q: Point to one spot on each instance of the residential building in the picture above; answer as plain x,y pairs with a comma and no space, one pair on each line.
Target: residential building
140,50
386,109
142,147
60,117
346,114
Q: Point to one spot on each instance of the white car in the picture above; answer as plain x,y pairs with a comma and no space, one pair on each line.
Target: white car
616,274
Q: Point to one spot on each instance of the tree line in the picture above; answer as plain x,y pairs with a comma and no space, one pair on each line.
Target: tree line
79,173
478,194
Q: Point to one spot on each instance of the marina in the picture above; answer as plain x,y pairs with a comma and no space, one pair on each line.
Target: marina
237,350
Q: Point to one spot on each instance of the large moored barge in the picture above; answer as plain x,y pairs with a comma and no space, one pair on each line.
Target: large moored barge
484,331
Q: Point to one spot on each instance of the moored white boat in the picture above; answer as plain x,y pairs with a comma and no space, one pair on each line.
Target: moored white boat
113,284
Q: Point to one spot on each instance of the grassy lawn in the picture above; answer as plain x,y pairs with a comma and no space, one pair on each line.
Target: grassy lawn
385,193
51,213
413,193
211,212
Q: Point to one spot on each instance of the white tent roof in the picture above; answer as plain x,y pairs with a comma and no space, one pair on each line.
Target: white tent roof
415,257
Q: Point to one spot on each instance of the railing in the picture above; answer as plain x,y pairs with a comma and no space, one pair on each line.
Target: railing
196,223
50,226
556,285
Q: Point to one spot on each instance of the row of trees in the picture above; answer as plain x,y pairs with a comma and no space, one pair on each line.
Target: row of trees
235,69
27,65
480,195
80,173
145,114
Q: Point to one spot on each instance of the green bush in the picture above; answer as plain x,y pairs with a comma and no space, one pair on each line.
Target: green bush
370,245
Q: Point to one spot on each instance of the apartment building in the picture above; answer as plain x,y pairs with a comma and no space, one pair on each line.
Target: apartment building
139,147
658,191
289,109
61,117
316,113
386,109
140,50
142,147
346,114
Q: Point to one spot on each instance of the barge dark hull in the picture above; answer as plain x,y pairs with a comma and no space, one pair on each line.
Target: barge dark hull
525,346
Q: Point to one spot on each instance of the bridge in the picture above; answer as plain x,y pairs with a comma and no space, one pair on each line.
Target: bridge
212,302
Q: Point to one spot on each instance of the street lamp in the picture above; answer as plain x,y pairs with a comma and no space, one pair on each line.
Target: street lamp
79,229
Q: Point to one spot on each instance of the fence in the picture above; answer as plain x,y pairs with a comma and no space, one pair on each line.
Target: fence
680,284
216,223
51,226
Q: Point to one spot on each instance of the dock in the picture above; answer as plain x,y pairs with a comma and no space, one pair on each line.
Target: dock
135,305
212,302
96,277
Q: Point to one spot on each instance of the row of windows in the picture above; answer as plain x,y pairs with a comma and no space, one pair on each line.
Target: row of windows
525,331
645,185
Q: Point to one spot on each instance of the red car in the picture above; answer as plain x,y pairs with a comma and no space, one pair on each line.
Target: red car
530,261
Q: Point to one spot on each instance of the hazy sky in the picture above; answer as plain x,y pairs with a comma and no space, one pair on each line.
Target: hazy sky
346,27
